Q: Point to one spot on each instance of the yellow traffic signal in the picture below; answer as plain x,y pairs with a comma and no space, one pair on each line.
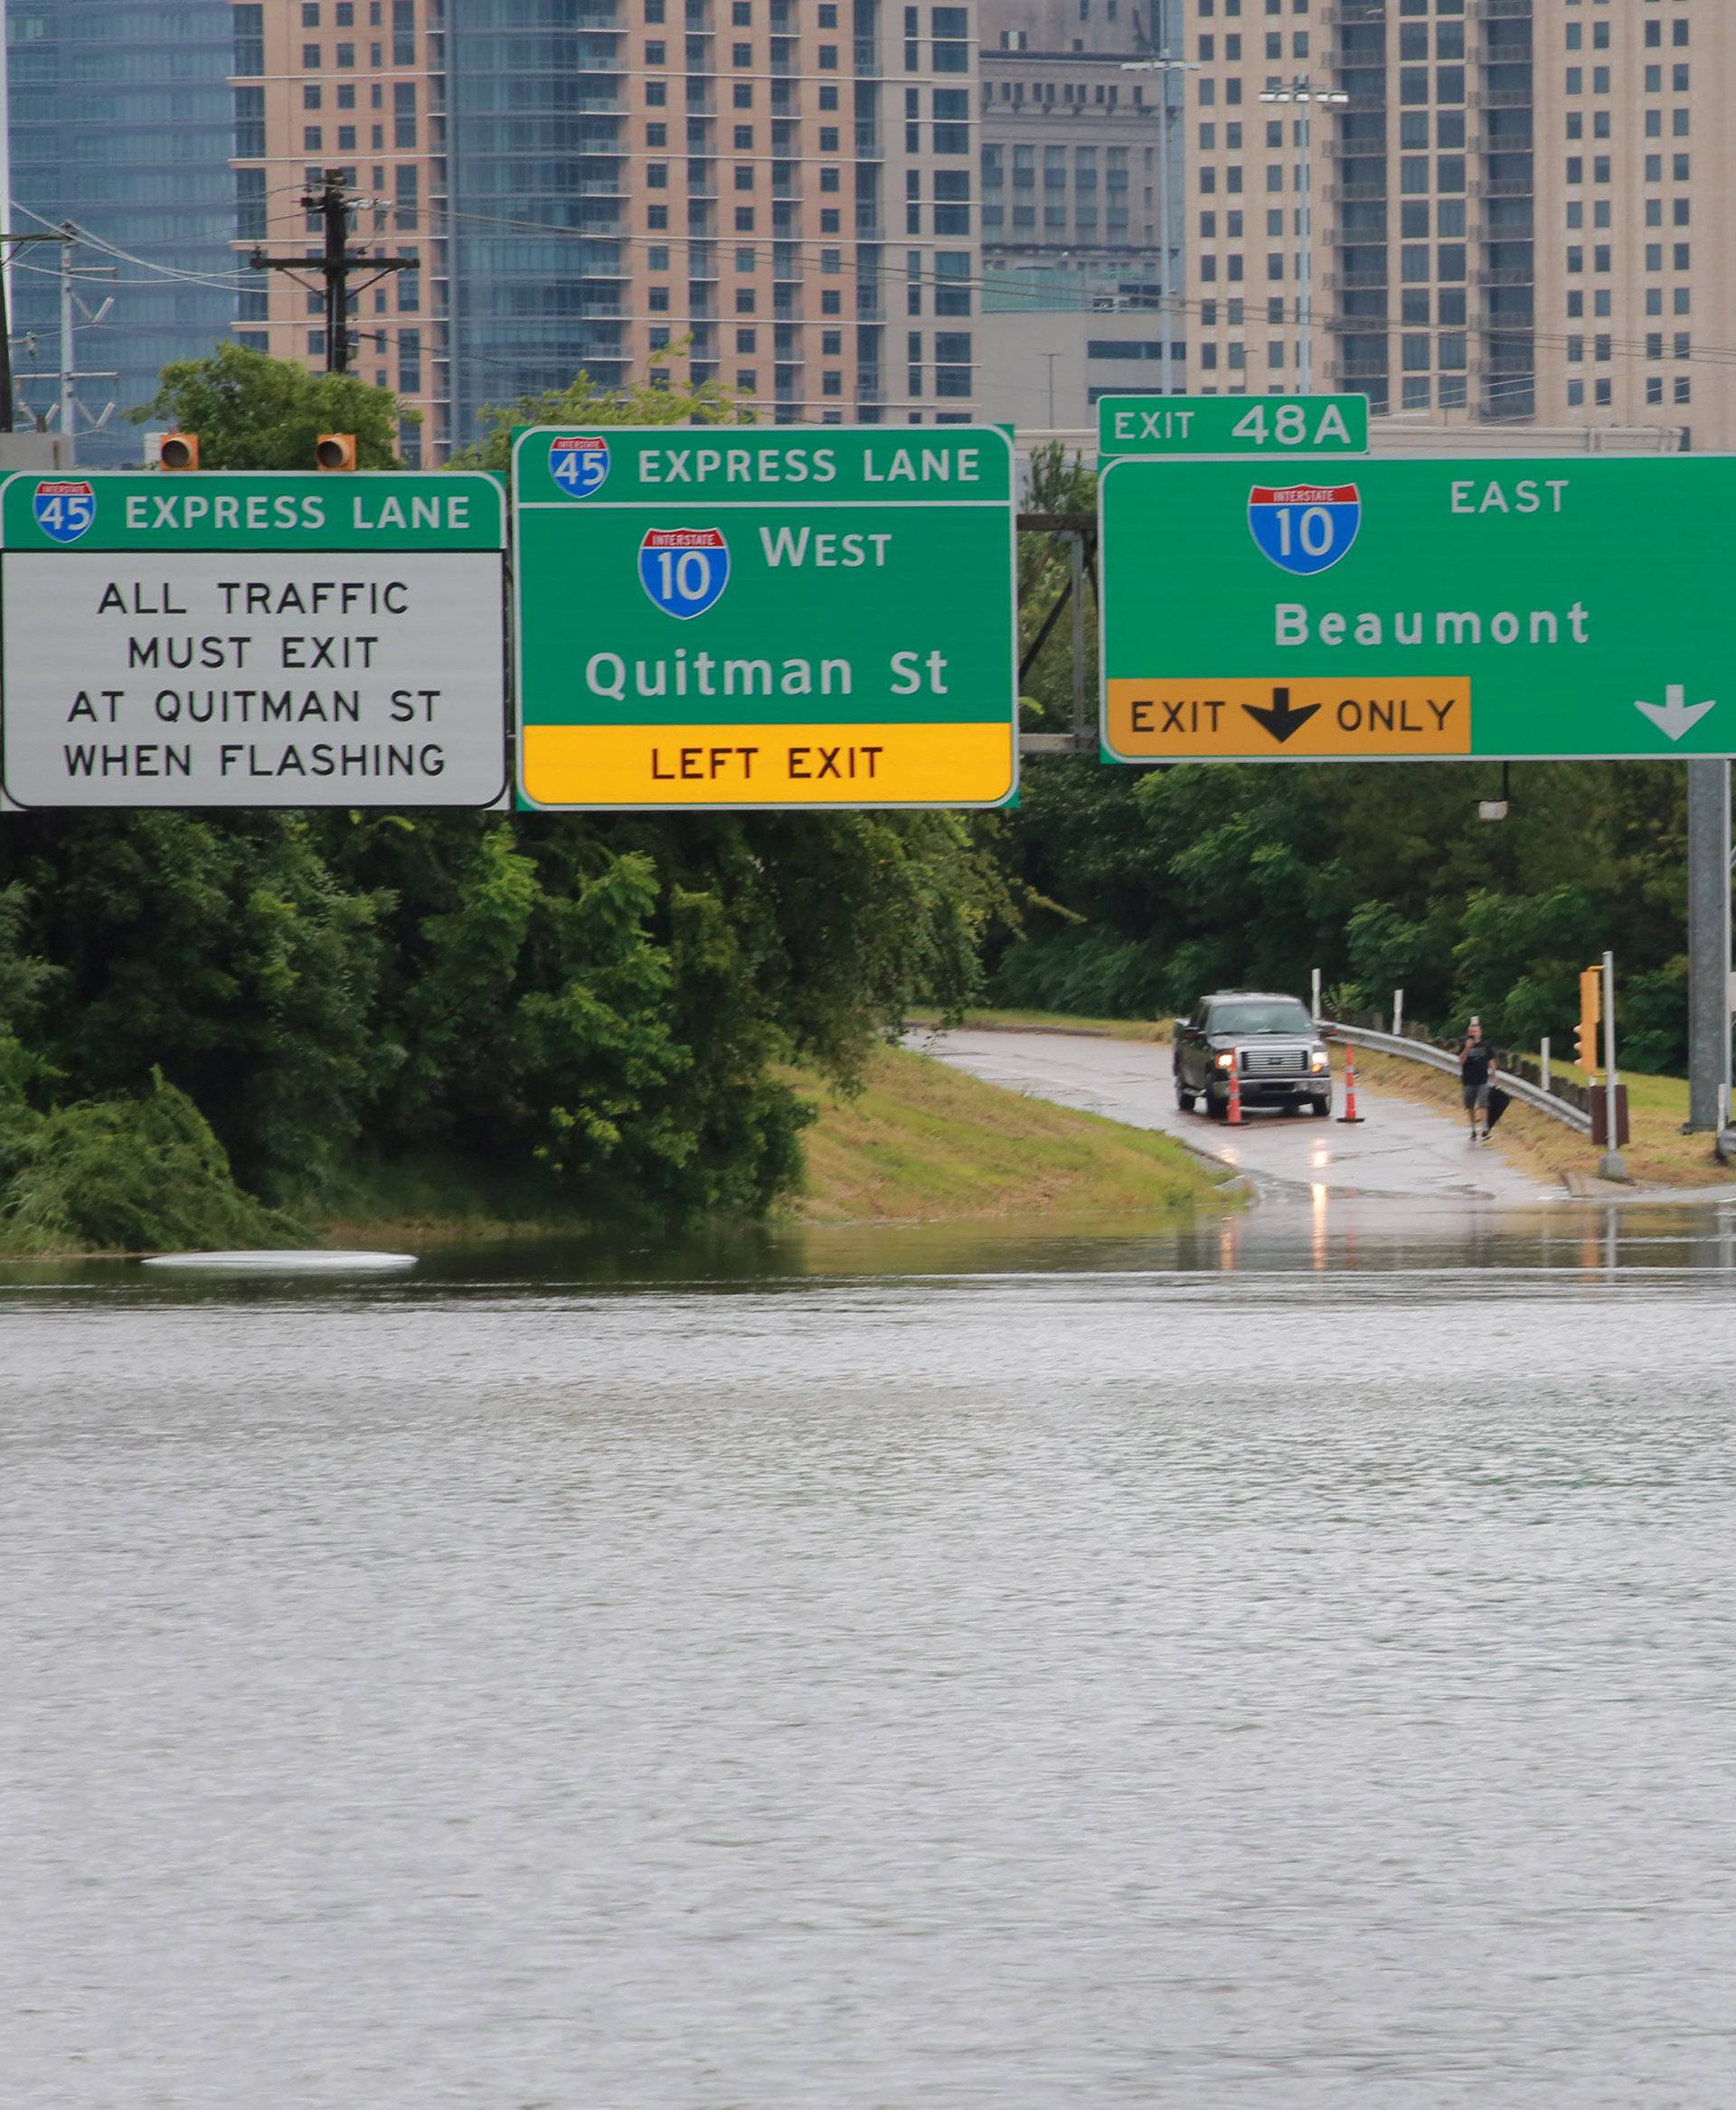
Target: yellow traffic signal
178,450
334,450
1585,1034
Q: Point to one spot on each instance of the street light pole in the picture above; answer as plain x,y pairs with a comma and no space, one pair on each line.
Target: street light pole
1303,91
1163,67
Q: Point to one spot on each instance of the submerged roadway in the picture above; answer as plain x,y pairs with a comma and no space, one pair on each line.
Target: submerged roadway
1399,1149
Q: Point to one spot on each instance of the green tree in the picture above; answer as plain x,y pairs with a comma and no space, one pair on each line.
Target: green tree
586,402
255,412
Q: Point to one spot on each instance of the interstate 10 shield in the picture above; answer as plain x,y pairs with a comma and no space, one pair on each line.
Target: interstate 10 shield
684,569
579,463
1304,528
64,511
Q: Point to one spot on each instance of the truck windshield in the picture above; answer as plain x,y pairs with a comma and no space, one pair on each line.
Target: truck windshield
1280,1016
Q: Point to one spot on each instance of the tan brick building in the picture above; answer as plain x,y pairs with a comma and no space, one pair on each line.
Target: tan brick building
357,85
1507,210
799,200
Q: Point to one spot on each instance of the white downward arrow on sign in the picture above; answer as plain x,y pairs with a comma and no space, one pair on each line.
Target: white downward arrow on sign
1675,715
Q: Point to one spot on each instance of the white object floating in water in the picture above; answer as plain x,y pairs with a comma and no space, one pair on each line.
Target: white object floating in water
287,1263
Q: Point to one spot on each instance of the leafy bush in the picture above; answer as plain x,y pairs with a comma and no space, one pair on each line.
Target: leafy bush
129,1175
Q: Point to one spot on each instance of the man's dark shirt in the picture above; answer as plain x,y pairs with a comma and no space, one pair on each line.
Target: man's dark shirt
1473,1062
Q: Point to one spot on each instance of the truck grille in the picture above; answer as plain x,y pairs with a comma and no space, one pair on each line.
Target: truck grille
1274,1062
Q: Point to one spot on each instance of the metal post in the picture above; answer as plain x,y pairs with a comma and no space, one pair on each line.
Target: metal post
69,364
1544,1065
1708,943
1398,1011
1305,287
1612,1166
1163,67
1164,331
1316,994
1076,581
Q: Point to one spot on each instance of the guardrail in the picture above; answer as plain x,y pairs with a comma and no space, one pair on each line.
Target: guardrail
1513,1082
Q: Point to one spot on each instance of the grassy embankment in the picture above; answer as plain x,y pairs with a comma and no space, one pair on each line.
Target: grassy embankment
1659,1154
922,1143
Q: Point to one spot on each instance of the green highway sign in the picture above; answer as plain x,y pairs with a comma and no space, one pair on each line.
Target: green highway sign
234,639
1278,611
719,617
1133,425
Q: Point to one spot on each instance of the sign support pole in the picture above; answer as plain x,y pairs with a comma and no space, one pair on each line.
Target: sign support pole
1708,943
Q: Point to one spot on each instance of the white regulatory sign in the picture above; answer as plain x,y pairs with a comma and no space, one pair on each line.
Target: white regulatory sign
302,678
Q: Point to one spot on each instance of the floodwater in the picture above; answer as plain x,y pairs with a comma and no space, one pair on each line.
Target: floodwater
1284,1662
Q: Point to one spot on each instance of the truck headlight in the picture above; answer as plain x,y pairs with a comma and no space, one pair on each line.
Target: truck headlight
1319,1060
1226,1061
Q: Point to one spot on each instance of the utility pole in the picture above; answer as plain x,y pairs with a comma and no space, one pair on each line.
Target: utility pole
1708,944
69,392
8,418
334,262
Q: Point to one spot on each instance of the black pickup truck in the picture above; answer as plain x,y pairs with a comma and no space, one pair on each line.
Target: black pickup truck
1272,1044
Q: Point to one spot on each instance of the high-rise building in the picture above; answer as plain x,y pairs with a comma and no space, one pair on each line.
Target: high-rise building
775,194
789,187
1073,189
354,85
1081,165
120,119
1489,209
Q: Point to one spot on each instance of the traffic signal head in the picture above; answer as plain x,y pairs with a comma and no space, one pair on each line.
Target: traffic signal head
178,450
1585,1034
334,450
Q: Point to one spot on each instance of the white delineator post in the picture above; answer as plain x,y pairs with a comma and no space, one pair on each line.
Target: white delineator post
1611,1164
1398,1012
1545,1061
1317,995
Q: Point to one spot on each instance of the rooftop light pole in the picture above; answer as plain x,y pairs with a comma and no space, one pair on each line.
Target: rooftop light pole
1162,66
1302,90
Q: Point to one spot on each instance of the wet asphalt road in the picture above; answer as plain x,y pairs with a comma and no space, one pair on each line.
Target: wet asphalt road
1397,1149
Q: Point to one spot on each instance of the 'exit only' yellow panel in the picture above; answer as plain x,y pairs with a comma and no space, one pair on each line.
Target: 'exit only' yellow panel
768,765
1201,720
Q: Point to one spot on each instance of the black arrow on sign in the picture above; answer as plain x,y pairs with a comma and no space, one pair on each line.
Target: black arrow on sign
1279,717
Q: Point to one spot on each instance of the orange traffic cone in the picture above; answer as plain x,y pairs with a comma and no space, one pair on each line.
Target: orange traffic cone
1350,1113
1235,1088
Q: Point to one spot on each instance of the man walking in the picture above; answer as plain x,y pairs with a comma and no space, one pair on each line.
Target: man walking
1476,1067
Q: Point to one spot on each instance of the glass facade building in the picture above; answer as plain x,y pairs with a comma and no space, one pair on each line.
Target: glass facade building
537,161
121,120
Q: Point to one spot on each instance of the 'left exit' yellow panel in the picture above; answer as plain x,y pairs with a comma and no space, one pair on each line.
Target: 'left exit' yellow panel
768,765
